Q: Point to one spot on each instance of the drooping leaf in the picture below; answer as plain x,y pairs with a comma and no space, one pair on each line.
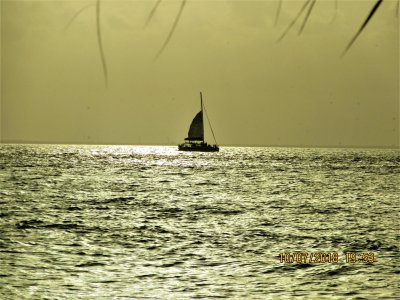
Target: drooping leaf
76,15
100,44
152,12
307,16
171,32
278,12
294,20
370,15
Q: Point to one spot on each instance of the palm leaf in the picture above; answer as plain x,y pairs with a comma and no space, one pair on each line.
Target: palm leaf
100,44
294,20
76,15
278,12
153,11
307,16
171,32
370,15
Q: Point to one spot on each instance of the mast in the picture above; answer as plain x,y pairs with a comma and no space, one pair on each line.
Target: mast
201,109
208,119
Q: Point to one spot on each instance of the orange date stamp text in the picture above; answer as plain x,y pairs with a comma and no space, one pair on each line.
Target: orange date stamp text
326,257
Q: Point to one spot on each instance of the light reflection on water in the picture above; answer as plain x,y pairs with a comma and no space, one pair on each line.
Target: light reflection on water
84,222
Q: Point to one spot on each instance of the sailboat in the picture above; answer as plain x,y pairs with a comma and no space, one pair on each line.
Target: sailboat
195,138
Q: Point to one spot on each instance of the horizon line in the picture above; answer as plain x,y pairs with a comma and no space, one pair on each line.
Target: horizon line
26,142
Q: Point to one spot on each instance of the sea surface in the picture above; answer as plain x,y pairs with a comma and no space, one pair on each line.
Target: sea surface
149,222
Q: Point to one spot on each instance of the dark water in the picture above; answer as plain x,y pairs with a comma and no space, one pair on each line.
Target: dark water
111,222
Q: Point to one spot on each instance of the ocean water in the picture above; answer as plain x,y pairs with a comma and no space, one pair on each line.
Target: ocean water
144,222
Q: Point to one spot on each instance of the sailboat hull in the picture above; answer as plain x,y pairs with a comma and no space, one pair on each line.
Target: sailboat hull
202,147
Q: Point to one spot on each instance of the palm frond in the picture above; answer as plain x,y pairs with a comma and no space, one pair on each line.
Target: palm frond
76,15
100,44
152,12
171,32
370,15
307,16
278,12
294,20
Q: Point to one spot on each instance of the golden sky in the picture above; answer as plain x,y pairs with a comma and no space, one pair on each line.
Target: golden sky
257,91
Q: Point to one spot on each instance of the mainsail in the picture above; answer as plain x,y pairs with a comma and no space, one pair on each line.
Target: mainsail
196,130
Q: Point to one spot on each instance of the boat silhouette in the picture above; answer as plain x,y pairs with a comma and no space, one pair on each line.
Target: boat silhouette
195,139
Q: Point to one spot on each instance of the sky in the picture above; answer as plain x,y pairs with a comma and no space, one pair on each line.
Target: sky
299,91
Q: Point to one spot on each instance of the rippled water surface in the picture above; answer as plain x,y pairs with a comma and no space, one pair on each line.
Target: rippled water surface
102,222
